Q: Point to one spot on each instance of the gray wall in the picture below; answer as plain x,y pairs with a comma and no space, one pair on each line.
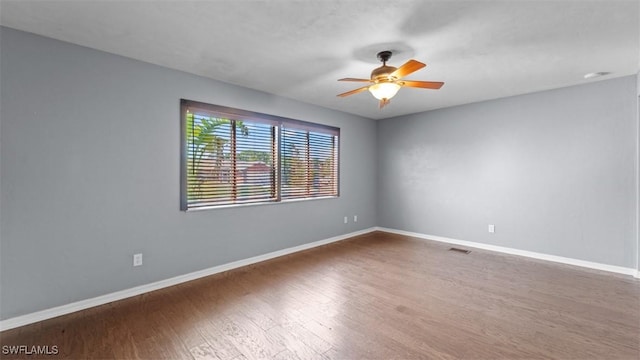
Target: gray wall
90,176
554,171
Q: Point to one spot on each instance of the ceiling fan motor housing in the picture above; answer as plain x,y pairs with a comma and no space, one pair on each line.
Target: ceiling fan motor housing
382,73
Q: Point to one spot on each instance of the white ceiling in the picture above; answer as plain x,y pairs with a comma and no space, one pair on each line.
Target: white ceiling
298,49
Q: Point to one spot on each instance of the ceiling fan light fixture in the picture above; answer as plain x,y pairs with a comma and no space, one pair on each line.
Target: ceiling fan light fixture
386,80
384,90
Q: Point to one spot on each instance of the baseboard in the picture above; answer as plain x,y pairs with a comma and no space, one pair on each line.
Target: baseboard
123,294
512,251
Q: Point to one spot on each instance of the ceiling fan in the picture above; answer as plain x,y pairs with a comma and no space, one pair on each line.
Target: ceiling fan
387,80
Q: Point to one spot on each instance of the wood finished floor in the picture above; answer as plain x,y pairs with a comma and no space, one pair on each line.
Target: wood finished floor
377,296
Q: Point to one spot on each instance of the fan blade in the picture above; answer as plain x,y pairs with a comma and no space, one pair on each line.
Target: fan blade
384,102
354,79
422,84
406,69
353,91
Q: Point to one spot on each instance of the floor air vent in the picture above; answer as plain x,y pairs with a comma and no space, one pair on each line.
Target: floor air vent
460,250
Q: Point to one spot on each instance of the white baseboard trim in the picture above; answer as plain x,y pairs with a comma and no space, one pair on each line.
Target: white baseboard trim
511,251
123,294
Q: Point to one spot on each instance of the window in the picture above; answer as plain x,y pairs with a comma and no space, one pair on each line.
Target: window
232,156
309,167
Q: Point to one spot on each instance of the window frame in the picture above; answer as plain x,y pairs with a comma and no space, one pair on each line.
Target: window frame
279,122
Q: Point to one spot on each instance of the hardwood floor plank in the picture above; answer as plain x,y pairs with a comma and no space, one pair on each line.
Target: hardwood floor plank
203,352
252,344
375,296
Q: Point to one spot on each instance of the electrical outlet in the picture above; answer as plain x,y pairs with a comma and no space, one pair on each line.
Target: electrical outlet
355,218
346,219
137,259
492,228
